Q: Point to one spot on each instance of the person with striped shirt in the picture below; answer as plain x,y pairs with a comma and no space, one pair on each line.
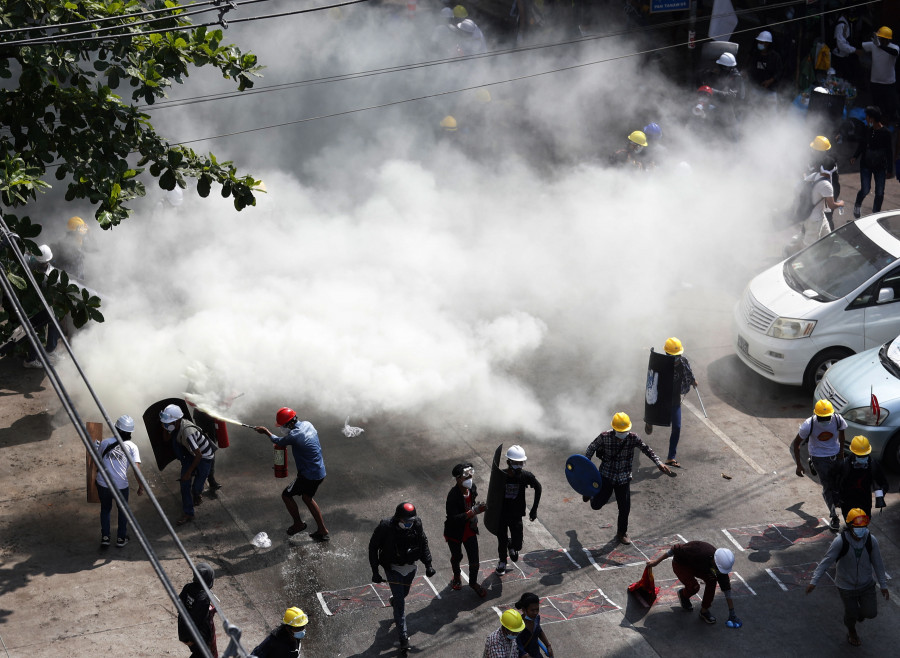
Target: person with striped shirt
195,452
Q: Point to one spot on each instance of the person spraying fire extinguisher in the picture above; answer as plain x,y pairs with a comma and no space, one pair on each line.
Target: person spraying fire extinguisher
303,439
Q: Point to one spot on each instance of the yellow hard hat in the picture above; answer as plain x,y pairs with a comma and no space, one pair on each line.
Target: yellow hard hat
885,32
674,347
460,12
75,223
295,617
512,621
638,138
860,446
621,422
820,143
857,517
824,409
448,123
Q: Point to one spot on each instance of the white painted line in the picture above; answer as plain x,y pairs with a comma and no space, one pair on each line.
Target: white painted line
683,540
745,582
430,584
733,540
497,610
571,559
375,589
776,579
724,437
324,605
590,557
611,602
561,613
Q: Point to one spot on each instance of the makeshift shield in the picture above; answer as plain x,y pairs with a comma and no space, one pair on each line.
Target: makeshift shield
645,590
659,391
495,495
160,440
582,475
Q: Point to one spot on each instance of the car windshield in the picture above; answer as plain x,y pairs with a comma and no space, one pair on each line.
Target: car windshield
890,356
836,265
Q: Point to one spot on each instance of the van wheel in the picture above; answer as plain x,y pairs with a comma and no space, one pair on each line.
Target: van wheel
891,456
820,364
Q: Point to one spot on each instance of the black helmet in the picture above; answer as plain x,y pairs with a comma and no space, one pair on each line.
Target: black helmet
207,573
405,512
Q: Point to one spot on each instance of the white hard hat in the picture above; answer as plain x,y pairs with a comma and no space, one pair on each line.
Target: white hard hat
126,423
821,90
171,413
724,560
46,254
726,59
516,453
765,36
467,25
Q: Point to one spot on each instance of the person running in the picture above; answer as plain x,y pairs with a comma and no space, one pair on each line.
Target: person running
510,535
857,555
532,638
699,560
461,526
117,463
307,451
681,385
825,432
615,450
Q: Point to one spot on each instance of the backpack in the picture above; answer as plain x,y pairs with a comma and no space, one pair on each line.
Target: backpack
803,203
845,546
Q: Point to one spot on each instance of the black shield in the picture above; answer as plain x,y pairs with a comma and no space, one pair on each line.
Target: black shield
159,438
658,390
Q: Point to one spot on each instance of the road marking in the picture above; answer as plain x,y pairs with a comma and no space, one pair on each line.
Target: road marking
777,580
733,540
324,605
745,582
428,580
724,437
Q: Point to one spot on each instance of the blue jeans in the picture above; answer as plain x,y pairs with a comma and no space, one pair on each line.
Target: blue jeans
676,432
399,589
106,503
865,184
195,485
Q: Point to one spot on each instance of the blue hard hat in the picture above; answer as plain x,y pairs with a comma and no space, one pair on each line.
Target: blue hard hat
652,130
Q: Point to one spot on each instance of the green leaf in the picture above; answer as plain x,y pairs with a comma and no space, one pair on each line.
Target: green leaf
16,280
167,180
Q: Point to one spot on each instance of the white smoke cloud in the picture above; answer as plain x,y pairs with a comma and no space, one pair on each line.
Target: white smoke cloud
504,275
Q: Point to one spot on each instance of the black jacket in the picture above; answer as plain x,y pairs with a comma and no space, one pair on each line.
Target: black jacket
197,603
280,643
854,485
392,545
455,524
514,501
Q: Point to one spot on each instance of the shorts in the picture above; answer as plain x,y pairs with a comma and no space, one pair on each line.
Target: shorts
303,487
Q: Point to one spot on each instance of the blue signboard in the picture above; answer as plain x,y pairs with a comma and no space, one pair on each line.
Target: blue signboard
669,5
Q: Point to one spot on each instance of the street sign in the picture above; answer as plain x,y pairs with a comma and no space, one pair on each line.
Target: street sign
669,5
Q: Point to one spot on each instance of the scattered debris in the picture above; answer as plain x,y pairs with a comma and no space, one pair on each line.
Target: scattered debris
350,432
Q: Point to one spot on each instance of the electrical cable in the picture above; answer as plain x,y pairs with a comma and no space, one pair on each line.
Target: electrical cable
9,238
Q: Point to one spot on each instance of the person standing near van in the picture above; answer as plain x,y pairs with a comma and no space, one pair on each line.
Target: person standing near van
821,197
825,432
874,151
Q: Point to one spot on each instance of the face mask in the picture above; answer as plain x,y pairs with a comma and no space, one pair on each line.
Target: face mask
516,467
300,635
511,636
285,431
862,462
405,525
467,483
637,148
761,46
860,532
527,617
169,428
621,435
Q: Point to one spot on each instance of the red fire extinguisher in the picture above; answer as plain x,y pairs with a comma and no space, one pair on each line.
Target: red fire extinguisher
281,462
222,434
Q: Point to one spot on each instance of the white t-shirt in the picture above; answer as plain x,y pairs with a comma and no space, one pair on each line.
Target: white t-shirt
882,63
117,463
816,224
824,440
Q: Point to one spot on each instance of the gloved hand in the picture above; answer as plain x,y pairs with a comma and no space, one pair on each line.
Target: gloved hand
533,515
733,621
376,577
430,571
879,502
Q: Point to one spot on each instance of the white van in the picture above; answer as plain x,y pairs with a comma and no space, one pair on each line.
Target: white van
835,298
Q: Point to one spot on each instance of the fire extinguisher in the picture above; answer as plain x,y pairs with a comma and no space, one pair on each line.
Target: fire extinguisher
281,462
222,434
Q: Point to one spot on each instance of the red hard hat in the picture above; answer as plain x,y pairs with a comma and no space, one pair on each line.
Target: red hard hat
284,416
705,89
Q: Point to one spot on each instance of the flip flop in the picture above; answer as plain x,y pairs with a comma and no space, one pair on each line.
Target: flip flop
854,642
294,529
673,462
318,536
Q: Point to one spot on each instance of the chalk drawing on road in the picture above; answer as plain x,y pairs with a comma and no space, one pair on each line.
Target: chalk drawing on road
571,605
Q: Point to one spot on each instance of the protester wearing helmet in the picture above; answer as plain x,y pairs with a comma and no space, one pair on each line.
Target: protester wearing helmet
195,452
683,380
615,450
699,560
875,150
727,84
857,477
765,68
470,38
882,76
201,611
655,152
116,463
502,642
510,535
70,250
396,545
856,554
628,156
284,641
307,452
818,191
824,431
461,526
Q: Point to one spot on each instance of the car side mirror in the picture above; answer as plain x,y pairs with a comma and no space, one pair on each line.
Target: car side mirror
885,295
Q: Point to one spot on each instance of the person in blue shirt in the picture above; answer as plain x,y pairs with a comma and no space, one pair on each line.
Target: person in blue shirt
532,639
304,442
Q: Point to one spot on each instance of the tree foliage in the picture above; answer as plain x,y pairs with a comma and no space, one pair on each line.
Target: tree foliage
71,110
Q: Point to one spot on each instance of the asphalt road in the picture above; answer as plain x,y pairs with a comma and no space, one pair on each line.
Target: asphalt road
61,595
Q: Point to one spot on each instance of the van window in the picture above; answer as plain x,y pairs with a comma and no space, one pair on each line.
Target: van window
837,264
891,224
869,296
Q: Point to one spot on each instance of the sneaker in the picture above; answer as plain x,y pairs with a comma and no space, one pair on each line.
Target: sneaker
501,568
857,211
121,541
685,600
835,523
104,541
706,616
479,590
513,555
198,499
623,539
456,583
33,364
213,485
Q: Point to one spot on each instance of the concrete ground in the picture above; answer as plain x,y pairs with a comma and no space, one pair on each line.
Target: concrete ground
61,595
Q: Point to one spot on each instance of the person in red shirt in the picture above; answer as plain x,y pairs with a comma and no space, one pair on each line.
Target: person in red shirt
461,526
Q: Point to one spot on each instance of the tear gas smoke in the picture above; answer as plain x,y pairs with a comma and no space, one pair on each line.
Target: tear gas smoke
503,277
